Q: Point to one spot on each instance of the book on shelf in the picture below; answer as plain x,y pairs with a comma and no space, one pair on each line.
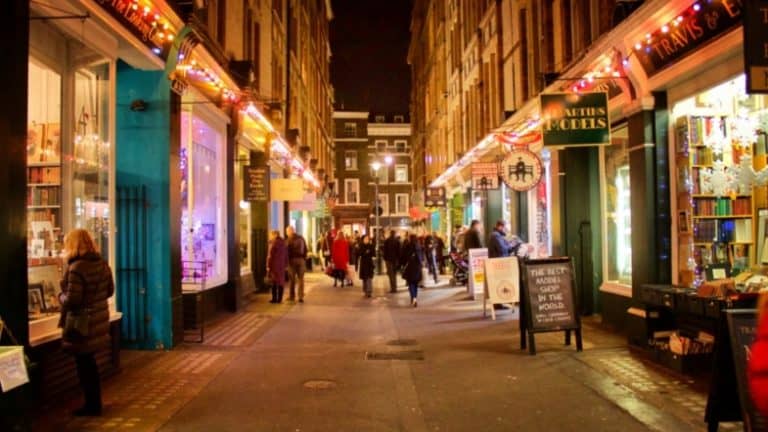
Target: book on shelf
742,231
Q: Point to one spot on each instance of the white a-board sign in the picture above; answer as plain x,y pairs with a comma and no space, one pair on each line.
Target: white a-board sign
502,279
476,283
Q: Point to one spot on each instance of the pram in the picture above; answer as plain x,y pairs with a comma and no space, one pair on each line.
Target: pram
460,269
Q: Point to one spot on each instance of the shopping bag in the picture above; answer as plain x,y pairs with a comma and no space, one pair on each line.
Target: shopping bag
351,273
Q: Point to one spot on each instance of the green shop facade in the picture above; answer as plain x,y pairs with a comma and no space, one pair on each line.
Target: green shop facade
645,207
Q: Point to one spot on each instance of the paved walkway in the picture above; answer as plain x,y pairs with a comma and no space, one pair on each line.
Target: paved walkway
341,362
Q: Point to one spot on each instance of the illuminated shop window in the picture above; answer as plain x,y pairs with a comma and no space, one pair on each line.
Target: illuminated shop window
618,210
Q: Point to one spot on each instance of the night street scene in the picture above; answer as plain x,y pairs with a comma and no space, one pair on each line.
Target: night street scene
384,215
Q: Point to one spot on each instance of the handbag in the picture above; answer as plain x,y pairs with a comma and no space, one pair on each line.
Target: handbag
77,322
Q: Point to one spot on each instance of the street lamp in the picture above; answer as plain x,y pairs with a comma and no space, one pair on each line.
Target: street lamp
376,166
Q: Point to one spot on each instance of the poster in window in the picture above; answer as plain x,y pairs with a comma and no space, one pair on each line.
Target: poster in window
51,149
35,137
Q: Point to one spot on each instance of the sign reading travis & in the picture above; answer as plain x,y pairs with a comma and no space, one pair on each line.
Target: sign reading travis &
756,45
701,23
570,119
256,183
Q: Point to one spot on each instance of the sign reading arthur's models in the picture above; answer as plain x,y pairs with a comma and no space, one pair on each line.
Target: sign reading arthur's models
756,45
570,119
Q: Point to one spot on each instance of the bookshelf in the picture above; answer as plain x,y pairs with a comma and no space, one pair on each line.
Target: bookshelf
722,228
44,193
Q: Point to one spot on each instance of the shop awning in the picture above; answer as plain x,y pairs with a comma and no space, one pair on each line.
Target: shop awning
609,65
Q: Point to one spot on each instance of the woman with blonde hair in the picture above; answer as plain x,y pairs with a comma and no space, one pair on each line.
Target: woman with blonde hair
277,264
85,290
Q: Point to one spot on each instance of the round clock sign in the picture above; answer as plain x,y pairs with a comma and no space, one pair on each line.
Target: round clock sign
521,170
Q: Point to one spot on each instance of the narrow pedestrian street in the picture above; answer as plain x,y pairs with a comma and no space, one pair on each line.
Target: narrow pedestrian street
341,362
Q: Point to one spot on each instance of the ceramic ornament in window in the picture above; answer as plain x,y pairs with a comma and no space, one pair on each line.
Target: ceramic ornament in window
716,139
718,180
744,174
744,130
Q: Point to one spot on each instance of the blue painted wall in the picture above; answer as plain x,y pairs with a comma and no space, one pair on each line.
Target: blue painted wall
143,158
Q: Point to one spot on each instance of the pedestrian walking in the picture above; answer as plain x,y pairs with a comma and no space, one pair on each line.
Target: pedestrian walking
473,237
391,259
277,264
297,262
354,246
412,264
429,255
340,254
439,252
757,371
366,253
85,289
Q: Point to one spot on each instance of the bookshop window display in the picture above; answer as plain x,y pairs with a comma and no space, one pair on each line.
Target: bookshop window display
618,228
202,164
718,135
68,175
244,215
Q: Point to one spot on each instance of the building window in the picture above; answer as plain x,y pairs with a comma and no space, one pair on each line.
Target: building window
401,204
381,145
203,213
382,174
401,173
350,129
384,204
399,119
67,173
350,160
401,146
380,119
352,191
618,214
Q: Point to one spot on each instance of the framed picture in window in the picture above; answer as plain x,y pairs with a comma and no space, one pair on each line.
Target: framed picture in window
35,302
684,222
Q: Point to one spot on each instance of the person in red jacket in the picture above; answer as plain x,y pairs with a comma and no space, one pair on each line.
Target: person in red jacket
340,256
757,371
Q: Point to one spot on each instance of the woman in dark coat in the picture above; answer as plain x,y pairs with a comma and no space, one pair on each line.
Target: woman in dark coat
411,261
365,263
277,263
340,257
85,290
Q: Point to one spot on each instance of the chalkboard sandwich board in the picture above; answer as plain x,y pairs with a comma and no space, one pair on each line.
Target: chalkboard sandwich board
729,399
549,300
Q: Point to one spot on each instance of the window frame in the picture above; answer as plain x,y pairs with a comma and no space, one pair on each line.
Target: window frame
350,129
383,201
404,167
405,146
407,203
347,154
347,182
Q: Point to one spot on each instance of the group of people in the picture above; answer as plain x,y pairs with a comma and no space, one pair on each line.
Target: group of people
465,239
286,258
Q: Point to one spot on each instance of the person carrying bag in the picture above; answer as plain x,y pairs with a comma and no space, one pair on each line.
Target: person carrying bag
86,289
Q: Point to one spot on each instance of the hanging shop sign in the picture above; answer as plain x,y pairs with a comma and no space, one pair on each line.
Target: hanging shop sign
485,175
144,21
702,22
434,197
180,56
256,183
756,50
522,170
570,120
287,189
308,203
